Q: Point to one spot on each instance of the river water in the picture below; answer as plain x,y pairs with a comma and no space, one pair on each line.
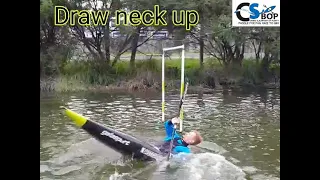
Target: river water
241,131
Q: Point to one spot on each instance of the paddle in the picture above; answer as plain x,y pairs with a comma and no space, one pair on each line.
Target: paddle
175,126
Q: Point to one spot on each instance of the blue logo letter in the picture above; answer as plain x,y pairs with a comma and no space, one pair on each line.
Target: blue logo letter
254,13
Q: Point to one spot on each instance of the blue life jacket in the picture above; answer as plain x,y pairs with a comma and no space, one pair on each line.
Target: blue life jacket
179,146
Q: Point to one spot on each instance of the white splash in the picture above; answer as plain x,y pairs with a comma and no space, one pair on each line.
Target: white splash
208,166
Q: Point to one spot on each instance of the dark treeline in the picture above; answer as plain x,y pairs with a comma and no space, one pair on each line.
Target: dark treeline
213,36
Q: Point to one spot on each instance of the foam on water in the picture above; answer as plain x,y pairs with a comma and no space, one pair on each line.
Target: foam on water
203,166
209,166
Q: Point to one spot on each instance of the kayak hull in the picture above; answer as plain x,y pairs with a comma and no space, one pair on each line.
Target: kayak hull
119,141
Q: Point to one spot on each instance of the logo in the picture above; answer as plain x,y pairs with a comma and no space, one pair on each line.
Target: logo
150,153
114,137
256,13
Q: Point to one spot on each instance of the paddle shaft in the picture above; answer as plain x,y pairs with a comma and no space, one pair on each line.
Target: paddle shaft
175,126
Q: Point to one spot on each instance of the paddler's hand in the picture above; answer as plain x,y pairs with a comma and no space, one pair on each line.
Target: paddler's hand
175,121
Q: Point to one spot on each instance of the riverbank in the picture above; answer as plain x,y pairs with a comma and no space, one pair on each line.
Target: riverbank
85,76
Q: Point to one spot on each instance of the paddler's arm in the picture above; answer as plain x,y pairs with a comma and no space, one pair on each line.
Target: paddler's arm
169,127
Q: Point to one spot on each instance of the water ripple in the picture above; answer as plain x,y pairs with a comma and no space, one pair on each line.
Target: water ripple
245,125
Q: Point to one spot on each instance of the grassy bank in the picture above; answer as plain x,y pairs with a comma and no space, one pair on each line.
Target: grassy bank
80,76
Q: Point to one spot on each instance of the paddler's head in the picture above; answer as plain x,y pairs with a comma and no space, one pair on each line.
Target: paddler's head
192,138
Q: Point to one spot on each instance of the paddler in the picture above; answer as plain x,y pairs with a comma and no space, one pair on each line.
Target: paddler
180,144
